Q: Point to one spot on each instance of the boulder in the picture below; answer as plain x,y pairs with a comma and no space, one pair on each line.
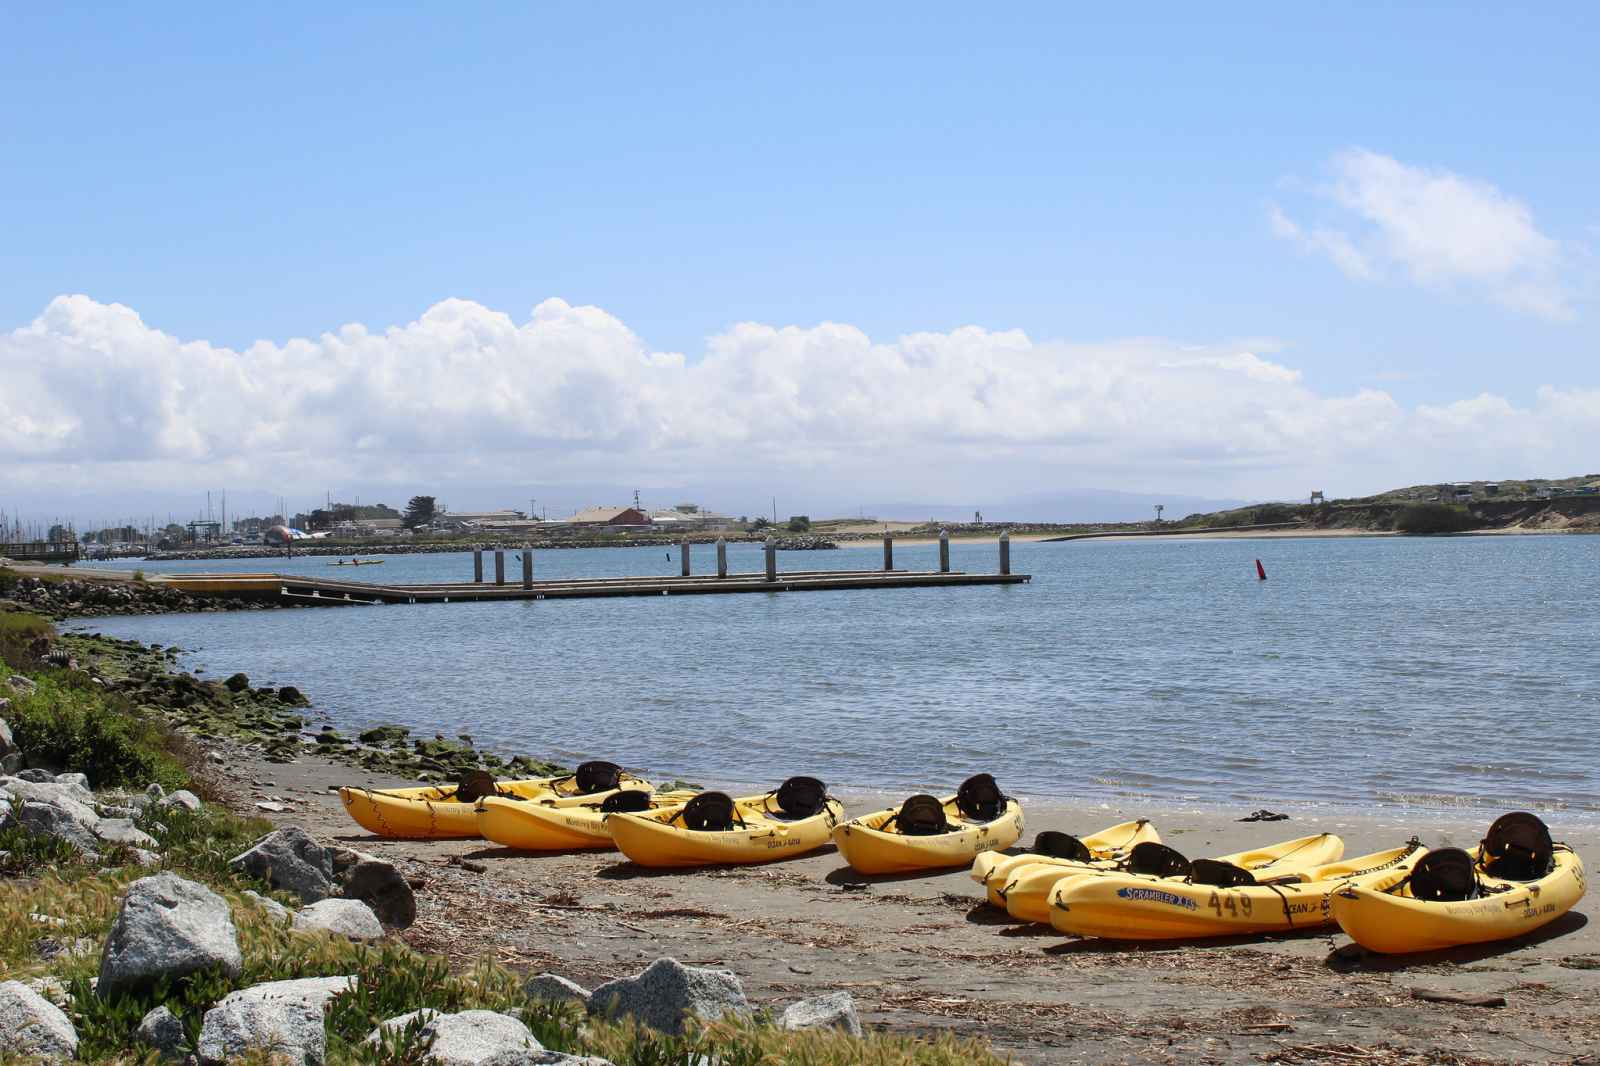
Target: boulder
22,686
347,917
290,859
667,993
162,1031
154,792
400,1021
237,683
8,743
275,910
80,780
554,987
52,988
478,1037
53,820
167,928
376,883
37,776
181,798
33,1027
123,831
42,787
835,1010
283,1018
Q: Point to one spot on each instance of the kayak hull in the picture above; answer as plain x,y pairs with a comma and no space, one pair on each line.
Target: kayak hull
869,848
533,825
1394,923
429,813
1128,907
993,869
1028,893
653,839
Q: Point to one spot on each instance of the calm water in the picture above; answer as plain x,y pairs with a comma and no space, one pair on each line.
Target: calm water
1446,672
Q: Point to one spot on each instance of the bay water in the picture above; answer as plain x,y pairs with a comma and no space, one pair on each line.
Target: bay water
1458,672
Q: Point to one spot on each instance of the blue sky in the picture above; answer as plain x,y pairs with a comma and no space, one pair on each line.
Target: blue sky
1083,176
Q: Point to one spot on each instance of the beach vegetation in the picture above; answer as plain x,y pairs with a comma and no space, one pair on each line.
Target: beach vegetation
1435,518
19,630
67,721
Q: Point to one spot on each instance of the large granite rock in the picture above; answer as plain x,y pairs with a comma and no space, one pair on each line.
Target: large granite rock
59,821
347,917
42,787
290,859
22,686
74,780
8,743
33,1027
378,884
667,993
123,831
834,1010
161,1031
275,910
167,928
479,1038
181,798
283,1018
555,988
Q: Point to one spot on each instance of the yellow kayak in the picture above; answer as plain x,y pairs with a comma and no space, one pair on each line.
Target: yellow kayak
1106,848
1131,907
1457,897
449,812
714,828
1027,893
544,825
926,833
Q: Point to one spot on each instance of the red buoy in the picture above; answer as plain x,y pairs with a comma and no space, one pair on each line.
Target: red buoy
1261,571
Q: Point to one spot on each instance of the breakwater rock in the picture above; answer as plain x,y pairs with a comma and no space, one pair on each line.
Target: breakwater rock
59,598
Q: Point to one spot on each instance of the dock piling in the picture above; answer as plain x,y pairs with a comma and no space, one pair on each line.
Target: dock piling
685,556
477,566
499,566
888,553
1005,552
944,551
722,557
772,559
527,567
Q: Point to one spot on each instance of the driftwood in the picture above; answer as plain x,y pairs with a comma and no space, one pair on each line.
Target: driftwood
1464,999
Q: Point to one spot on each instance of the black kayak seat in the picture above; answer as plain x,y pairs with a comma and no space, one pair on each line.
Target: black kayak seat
1219,874
1518,847
1444,875
801,797
474,786
596,776
920,816
1157,860
1060,845
980,799
709,812
629,800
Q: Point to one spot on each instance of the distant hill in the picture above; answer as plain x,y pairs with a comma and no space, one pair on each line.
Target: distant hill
1069,506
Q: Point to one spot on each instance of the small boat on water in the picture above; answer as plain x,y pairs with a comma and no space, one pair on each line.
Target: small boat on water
357,562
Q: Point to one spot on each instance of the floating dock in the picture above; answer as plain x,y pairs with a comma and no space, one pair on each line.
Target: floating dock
329,592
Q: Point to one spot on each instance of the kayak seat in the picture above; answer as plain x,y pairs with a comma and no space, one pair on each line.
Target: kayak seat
1060,845
801,797
1157,860
1219,874
1444,875
474,786
631,800
710,812
597,776
980,799
1518,848
920,816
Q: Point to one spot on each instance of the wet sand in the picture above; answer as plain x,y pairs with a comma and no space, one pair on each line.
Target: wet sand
924,953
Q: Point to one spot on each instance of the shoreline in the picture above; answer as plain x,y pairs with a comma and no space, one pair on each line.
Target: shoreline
922,953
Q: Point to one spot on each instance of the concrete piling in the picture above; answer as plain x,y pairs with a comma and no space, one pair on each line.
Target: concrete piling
477,566
499,566
944,551
722,557
888,553
1005,552
772,559
686,557
527,567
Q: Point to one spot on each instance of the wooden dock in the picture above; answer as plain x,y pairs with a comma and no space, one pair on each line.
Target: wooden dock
311,591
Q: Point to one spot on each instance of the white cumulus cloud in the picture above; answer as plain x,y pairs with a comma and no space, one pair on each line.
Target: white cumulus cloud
1437,229
93,397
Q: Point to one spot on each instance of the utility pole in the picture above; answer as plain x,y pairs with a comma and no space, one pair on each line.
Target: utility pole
1159,508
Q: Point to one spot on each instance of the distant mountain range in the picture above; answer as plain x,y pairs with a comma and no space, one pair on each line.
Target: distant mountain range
1069,505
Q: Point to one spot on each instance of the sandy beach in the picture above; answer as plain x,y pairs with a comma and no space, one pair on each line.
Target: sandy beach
924,953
